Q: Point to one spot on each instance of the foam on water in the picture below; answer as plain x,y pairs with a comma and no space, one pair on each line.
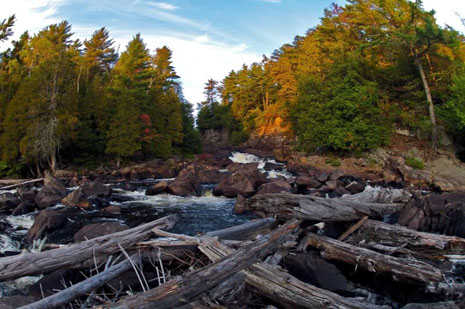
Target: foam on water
8,244
244,158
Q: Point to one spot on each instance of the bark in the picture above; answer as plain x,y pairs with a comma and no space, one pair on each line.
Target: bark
82,288
399,268
29,264
432,114
245,231
182,291
287,206
396,236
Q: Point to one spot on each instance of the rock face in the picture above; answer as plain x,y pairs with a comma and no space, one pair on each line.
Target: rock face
244,182
76,199
46,221
98,229
157,188
279,186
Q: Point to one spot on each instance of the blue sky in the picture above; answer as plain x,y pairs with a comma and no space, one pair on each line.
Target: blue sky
209,38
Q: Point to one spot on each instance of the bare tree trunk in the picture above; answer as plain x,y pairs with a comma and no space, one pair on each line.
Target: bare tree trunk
53,161
432,114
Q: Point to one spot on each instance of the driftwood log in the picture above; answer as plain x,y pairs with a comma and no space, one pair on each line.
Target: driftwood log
29,264
14,183
82,288
287,206
396,236
400,268
183,290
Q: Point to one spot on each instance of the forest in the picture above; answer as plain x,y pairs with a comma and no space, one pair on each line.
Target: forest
369,68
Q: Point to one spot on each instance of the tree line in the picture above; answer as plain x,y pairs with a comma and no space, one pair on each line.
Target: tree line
80,103
368,68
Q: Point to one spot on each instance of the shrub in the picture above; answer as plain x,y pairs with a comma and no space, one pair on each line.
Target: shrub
415,163
333,162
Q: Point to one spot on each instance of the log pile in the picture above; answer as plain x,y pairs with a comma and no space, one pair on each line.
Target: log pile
251,265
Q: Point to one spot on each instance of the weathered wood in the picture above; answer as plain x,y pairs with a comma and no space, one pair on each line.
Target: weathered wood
11,184
245,231
274,282
352,229
82,288
400,268
183,290
38,263
377,232
287,206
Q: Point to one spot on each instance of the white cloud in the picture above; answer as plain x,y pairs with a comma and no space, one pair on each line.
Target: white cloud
164,6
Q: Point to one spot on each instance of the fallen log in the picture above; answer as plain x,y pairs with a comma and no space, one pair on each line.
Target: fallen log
183,290
399,268
245,231
377,232
82,288
287,206
11,184
29,264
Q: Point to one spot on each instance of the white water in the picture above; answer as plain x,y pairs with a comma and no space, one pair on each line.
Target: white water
18,228
244,158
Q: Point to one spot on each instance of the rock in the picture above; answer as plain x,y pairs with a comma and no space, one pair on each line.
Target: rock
52,282
74,182
333,184
308,182
323,177
46,198
269,166
8,200
243,182
95,188
157,188
27,194
64,174
76,199
184,187
24,208
311,268
279,186
13,302
355,187
208,176
440,305
46,221
337,174
126,186
232,168
112,209
98,229
340,191
241,206
53,184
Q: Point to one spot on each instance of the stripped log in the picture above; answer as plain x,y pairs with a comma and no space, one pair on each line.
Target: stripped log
29,264
400,268
183,290
11,184
287,206
398,236
82,288
245,231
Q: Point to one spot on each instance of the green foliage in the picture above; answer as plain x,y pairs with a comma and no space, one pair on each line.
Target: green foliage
415,163
340,113
333,162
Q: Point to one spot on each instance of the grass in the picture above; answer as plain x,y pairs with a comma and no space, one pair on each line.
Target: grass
415,163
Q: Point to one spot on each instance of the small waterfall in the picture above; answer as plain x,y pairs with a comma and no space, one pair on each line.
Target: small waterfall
244,158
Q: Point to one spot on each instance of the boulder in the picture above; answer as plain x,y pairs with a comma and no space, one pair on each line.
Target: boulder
279,186
24,208
126,186
269,166
184,187
46,221
53,184
340,191
240,206
8,201
244,182
13,302
234,167
74,182
112,209
308,182
98,229
46,198
95,188
157,188
52,282
27,194
76,199
323,177
333,184
355,187
337,174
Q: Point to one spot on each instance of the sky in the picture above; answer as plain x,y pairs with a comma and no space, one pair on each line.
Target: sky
209,38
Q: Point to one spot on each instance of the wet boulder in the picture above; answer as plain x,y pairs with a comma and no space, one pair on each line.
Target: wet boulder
95,188
355,187
184,187
241,205
244,182
234,167
76,199
46,221
8,201
157,188
54,184
27,194
24,208
323,177
269,166
98,229
112,209
126,186
337,174
278,186
307,182
52,192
